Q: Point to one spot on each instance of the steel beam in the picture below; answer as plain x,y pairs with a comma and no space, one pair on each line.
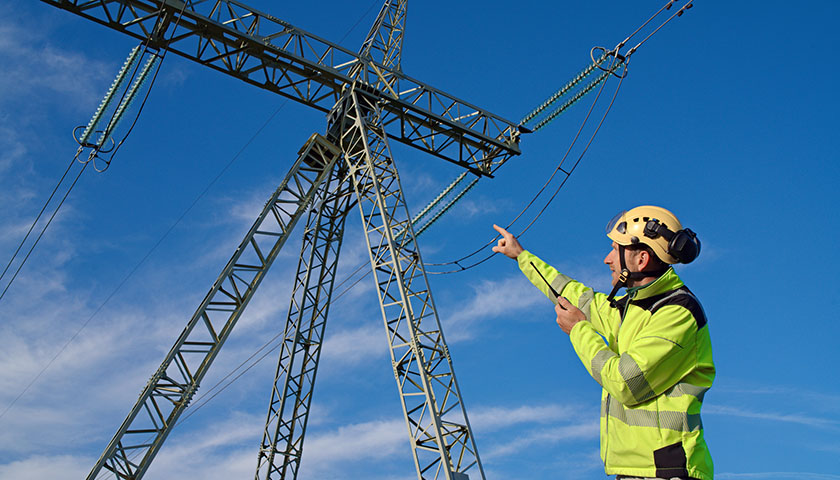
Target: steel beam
294,382
270,53
441,438
173,385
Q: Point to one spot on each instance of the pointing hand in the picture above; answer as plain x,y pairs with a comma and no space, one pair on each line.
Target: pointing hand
508,245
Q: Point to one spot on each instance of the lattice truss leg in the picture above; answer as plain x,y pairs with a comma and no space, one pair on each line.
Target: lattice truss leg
171,388
441,438
291,396
384,42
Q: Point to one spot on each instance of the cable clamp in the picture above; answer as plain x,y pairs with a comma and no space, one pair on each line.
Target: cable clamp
614,65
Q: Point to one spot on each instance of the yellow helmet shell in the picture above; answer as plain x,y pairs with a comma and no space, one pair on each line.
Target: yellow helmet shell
628,228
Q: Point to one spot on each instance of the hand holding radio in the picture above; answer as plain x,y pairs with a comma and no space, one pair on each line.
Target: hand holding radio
568,315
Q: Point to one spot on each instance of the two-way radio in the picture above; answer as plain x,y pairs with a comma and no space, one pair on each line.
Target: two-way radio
553,291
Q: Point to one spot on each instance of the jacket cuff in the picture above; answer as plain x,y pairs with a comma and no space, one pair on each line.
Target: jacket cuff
524,259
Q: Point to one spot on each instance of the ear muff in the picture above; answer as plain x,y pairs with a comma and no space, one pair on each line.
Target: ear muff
682,244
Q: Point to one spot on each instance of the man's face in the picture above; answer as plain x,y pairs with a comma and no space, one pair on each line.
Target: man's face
612,261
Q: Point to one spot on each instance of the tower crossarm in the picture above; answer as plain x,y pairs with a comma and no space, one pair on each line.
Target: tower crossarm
273,54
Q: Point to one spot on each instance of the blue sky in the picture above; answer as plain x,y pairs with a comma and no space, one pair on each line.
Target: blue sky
727,118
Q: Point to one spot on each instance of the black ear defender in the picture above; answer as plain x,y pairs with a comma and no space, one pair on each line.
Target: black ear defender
682,244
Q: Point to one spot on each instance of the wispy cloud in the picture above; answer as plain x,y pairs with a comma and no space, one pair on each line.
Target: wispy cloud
475,206
779,476
490,299
829,400
32,65
544,437
92,381
524,426
490,419
45,466
595,276
811,421
365,338
352,346
365,440
13,153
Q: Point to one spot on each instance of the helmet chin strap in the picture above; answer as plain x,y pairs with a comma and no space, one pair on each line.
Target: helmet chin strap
626,275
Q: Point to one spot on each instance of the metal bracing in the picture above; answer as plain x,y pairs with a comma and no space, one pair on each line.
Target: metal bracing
386,35
171,388
369,100
441,438
291,396
383,43
273,54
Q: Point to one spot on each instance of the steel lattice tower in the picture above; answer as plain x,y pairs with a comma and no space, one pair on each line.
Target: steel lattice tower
369,102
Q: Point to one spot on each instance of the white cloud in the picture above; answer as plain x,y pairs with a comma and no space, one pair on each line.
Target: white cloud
596,277
780,476
489,419
222,450
374,439
44,466
524,426
34,68
490,299
94,380
353,346
473,207
268,310
544,437
12,154
811,421
827,400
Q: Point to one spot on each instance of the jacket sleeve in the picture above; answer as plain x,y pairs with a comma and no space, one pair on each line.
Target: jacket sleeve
594,305
662,353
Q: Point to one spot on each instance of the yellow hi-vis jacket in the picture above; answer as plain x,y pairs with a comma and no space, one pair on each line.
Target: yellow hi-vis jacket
654,367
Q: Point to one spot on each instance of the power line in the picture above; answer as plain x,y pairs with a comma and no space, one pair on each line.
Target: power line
38,217
550,109
163,237
132,63
618,60
43,230
559,168
210,394
147,255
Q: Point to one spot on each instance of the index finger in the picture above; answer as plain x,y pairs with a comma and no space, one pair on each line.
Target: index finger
501,231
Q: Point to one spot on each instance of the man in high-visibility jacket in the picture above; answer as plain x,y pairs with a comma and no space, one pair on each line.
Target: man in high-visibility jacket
656,363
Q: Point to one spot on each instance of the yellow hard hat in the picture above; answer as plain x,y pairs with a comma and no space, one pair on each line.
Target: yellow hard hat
657,228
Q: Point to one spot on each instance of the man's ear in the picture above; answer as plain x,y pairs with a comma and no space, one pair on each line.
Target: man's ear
644,259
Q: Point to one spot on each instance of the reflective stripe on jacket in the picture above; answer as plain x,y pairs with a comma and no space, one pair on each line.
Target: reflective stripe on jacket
654,368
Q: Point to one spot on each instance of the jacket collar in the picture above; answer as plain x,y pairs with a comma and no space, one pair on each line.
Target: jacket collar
665,283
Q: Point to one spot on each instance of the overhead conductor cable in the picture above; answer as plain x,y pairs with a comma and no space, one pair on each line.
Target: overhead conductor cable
538,118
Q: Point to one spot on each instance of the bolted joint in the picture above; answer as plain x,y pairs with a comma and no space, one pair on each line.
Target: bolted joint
187,397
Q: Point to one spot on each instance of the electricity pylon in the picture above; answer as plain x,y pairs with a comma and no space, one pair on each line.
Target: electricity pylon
369,101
